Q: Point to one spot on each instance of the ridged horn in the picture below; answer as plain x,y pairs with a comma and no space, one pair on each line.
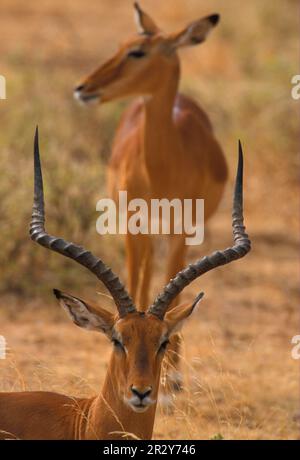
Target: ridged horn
241,247
95,265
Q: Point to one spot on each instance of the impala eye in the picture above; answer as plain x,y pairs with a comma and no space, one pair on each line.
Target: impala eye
137,54
163,346
118,344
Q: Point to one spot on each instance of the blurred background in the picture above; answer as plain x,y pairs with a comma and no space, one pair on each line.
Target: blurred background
240,379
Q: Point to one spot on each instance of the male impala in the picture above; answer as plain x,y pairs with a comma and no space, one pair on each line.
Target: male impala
127,402
164,146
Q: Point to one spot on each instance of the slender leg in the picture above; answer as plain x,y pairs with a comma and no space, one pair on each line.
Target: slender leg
173,376
133,260
176,260
146,273
139,256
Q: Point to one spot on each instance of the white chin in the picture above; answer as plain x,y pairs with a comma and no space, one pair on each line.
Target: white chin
136,408
139,409
86,99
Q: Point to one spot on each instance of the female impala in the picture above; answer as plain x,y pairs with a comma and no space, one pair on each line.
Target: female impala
127,401
164,147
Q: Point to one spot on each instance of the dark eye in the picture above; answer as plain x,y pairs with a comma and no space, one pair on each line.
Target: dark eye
163,346
118,344
137,54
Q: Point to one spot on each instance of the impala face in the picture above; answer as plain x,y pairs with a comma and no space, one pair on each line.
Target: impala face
139,343
134,70
143,63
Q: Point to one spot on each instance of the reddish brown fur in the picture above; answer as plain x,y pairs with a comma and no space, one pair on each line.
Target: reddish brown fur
45,415
164,146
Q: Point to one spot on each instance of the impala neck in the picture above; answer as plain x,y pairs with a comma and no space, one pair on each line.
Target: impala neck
158,127
110,417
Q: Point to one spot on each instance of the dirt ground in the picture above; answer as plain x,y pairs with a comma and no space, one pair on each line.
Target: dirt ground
240,381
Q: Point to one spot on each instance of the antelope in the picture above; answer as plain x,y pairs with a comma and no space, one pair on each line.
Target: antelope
158,136
126,404
164,146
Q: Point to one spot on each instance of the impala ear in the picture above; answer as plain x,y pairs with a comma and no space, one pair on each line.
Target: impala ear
144,22
84,315
194,33
176,317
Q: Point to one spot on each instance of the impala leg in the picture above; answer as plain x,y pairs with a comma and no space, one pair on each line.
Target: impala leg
139,265
146,272
176,260
173,376
133,260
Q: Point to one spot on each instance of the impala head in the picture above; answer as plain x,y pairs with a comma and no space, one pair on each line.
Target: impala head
142,64
139,338
139,342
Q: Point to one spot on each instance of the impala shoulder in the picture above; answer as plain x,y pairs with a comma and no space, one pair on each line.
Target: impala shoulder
186,110
217,162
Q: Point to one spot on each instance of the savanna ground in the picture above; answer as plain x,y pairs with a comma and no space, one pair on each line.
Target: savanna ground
240,379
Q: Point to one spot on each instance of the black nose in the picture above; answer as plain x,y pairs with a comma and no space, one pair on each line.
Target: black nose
79,88
141,393
214,19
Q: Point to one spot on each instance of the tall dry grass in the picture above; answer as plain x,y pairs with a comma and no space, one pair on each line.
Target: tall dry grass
241,75
240,381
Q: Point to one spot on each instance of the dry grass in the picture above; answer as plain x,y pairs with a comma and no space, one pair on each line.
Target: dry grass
240,380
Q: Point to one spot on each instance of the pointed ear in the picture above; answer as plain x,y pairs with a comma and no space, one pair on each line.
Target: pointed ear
176,317
144,22
84,315
194,33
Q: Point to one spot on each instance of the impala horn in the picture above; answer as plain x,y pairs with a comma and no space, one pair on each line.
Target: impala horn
241,247
95,265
